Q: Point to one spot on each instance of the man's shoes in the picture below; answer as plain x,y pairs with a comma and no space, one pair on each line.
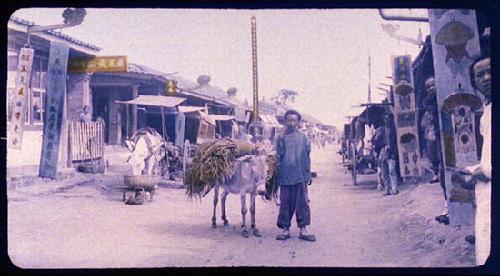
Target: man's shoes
470,239
380,187
284,236
304,236
435,179
443,219
394,192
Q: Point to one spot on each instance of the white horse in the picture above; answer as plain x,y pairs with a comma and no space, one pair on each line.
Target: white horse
249,178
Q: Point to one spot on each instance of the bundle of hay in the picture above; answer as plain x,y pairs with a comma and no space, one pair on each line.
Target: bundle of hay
213,161
271,185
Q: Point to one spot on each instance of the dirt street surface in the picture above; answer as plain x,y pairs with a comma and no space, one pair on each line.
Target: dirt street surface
89,226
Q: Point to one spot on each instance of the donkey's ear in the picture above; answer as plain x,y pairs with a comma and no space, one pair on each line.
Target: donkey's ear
130,145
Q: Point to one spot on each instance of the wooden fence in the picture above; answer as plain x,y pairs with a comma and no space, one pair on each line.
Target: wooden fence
86,140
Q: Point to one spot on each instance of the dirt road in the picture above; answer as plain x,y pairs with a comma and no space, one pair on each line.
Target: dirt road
90,227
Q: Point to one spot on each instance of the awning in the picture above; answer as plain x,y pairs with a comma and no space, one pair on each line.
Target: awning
222,117
270,120
154,100
187,109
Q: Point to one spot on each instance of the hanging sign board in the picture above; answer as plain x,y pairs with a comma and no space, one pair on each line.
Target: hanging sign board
23,75
117,64
55,97
404,117
455,45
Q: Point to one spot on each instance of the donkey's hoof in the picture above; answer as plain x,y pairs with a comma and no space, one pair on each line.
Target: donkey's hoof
256,232
245,233
214,225
226,223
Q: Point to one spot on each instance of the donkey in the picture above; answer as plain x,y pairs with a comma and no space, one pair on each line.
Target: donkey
147,148
249,178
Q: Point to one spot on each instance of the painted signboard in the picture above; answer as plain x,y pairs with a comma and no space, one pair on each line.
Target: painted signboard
404,116
115,64
55,97
455,45
17,120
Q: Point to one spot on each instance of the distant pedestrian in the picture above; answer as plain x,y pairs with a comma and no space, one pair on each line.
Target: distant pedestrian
378,141
388,156
432,135
430,124
293,174
85,116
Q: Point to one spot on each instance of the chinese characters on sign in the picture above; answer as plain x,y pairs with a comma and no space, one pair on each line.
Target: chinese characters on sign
406,121
455,44
56,90
98,64
19,100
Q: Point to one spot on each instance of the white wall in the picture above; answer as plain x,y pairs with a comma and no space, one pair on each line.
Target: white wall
30,152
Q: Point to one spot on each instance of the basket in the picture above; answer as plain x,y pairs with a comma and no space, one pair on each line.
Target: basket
91,168
141,181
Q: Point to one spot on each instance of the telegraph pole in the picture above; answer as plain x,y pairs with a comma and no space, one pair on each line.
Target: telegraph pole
254,67
256,127
369,78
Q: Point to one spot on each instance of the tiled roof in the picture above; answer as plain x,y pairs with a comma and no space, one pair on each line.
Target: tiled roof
56,34
211,91
186,85
141,69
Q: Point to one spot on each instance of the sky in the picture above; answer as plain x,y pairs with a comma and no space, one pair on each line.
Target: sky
320,53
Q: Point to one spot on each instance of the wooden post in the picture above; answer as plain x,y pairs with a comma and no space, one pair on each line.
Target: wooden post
54,116
70,144
135,93
127,126
255,71
163,130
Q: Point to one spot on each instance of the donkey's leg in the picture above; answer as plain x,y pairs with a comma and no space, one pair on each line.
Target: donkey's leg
244,230
149,165
216,200
223,207
252,215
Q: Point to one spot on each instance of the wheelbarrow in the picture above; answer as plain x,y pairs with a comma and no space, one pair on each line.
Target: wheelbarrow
140,183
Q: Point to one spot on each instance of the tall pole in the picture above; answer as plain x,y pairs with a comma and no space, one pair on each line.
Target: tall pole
369,77
254,67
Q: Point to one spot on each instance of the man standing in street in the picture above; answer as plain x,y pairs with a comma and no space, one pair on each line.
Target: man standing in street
430,124
388,156
481,173
293,173
378,141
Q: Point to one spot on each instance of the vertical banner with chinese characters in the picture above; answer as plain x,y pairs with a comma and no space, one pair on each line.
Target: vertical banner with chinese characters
405,117
455,45
56,90
19,99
